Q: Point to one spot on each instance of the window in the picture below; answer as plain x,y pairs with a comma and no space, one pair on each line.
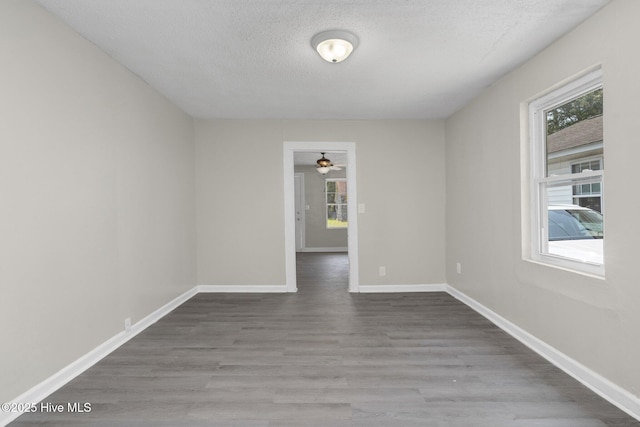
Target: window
336,193
567,176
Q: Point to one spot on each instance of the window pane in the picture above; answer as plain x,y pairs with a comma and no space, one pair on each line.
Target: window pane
337,216
574,232
336,203
331,212
574,132
341,213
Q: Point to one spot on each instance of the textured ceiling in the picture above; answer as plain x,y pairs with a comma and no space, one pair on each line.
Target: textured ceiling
253,59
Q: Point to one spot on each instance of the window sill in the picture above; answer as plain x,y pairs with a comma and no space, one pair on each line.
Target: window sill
560,264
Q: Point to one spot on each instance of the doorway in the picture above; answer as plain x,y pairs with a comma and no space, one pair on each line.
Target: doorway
290,206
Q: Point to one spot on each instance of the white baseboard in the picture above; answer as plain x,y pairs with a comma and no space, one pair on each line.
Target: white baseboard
258,289
611,392
334,249
436,287
69,372
152,318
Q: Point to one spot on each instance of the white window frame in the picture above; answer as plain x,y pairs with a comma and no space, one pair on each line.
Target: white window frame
326,203
538,179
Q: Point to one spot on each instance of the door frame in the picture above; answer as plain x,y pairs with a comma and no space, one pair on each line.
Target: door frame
301,221
289,207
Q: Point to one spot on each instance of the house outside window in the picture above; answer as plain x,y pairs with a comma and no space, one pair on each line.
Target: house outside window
567,176
588,195
336,203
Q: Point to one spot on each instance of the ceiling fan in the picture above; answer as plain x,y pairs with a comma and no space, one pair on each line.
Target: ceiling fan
324,165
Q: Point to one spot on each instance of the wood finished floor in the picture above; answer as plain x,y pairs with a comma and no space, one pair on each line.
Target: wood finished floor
324,357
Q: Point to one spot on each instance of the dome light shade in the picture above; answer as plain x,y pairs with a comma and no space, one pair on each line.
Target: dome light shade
334,46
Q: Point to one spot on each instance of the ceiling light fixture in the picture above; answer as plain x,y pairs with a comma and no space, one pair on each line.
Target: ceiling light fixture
334,46
323,165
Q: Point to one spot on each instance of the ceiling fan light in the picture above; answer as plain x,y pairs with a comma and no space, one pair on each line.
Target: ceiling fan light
323,165
334,46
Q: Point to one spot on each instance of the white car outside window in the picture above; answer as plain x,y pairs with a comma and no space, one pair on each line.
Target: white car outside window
576,232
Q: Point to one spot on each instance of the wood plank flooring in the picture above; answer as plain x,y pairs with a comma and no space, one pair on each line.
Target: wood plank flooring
324,357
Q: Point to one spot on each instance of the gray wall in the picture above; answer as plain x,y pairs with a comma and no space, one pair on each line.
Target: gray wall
591,320
403,227
97,212
317,235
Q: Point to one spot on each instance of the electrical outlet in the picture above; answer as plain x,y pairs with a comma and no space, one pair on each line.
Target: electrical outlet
382,270
459,268
127,324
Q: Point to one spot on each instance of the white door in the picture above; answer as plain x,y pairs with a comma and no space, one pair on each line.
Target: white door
300,210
